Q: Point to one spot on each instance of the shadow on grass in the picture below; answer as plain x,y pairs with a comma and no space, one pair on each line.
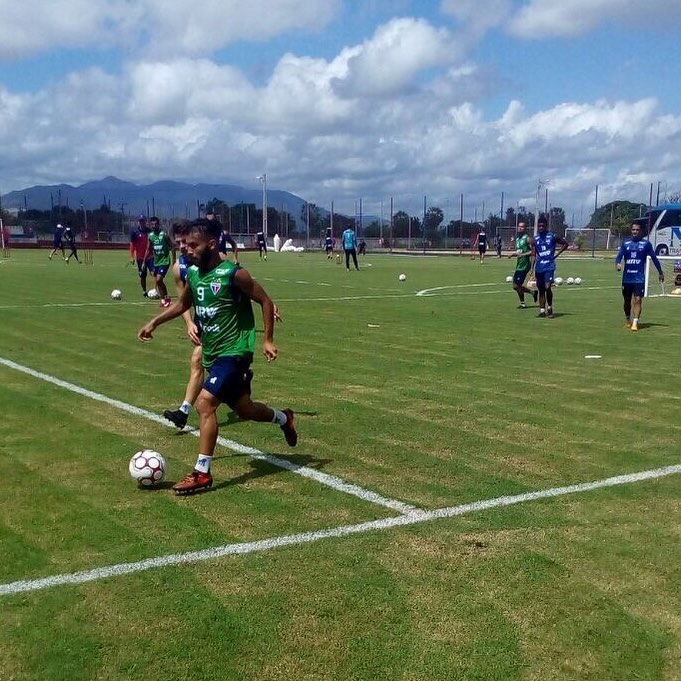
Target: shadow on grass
261,469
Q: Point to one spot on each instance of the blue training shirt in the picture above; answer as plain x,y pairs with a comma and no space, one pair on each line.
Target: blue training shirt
635,252
545,252
183,265
349,240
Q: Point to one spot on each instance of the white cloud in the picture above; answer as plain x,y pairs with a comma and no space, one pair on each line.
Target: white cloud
546,18
159,27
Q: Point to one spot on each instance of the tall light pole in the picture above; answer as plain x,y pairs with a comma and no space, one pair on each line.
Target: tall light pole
263,180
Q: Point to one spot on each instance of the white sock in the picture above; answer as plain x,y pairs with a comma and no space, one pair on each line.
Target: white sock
279,417
541,309
634,320
203,463
185,407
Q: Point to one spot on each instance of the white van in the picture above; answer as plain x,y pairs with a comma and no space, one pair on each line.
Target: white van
664,228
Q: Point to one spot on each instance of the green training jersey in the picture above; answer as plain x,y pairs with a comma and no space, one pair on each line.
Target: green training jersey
224,313
159,244
522,244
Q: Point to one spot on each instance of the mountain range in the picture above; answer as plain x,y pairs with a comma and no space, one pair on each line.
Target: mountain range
165,198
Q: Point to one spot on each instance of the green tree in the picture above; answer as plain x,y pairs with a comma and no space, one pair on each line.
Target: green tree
617,216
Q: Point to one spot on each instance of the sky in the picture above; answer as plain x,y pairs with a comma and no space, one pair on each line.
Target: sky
545,102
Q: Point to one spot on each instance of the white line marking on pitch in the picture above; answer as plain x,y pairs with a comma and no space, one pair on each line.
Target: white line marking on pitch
324,478
412,518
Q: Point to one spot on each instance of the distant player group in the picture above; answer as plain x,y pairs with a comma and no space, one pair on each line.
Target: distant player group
537,257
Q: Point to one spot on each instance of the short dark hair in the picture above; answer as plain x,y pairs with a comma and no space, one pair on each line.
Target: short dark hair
153,218
180,228
639,223
206,228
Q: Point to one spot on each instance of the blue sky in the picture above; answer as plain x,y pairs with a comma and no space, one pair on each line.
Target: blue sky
340,100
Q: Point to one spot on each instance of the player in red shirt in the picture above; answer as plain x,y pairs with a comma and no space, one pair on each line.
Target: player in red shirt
139,239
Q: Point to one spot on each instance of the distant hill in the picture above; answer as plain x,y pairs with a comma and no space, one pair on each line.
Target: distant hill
164,198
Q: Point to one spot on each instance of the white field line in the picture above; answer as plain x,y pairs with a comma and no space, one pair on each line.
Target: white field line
412,518
442,291
329,480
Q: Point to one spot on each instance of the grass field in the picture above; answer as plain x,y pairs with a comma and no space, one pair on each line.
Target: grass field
368,551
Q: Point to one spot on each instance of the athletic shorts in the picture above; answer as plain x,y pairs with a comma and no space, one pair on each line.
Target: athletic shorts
57,243
160,270
519,276
262,246
329,249
144,266
227,380
482,249
635,289
544,279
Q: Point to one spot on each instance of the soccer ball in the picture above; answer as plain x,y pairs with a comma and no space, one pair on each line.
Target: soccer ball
152,293
147,467
578,280
558,281
402,277
570,281
509,280
532,284
116,294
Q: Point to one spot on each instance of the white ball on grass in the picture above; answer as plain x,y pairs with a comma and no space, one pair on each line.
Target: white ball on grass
116,294
570,281
578,280
509,280
402,277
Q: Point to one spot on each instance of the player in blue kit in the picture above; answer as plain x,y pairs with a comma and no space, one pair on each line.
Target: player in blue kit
634,251
328,245
58,242
545,243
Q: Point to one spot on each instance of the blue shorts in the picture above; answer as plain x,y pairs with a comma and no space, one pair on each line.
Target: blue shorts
634,289
519,276
227,379
160,270
57,243
544,279
482,249
144,266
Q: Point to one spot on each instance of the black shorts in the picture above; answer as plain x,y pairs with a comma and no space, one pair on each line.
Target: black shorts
227,379
635,289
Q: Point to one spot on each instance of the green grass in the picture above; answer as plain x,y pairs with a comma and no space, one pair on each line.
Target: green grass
433,401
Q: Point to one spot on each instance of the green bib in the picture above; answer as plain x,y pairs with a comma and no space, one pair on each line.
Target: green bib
224,313
159,243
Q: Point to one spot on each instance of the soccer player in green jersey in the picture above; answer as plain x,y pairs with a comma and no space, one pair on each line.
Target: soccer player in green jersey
163,251
524,252
221,293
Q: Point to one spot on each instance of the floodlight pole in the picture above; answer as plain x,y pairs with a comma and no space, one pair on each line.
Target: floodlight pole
263,180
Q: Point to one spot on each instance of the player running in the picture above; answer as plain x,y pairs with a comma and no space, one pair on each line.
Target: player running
545,264
634,251
524,251
70,239
139,240
222,293
58,242
163,251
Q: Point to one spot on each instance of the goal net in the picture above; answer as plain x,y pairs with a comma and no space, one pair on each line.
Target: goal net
671,266
585,239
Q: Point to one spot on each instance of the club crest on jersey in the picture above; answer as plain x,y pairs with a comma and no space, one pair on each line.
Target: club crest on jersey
215,287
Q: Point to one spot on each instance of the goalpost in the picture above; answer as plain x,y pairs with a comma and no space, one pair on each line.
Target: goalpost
671,266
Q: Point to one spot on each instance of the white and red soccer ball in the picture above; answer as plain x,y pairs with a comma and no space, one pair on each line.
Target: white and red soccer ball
147,467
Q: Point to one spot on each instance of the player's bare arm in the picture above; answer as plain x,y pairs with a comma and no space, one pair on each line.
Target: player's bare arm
247,285
182,304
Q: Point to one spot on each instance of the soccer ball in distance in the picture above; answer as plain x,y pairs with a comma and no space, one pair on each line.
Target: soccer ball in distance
402,277
570,281
116,294
578,280
558,281
147,467
152,293
509,280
